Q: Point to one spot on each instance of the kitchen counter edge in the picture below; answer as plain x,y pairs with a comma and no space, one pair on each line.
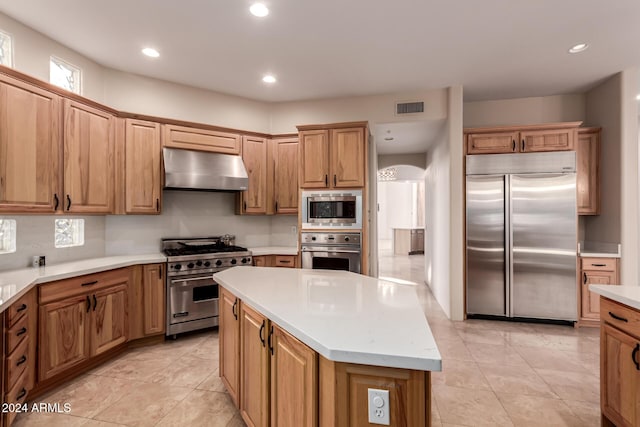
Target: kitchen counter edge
15,283
624,294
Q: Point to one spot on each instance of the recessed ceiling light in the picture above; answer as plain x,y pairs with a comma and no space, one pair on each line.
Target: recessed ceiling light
151,52
580,47
638,97
259,10
269,79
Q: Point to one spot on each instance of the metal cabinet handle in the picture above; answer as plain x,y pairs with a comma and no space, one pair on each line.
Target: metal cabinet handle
633,356
89,283
56,200
22,331
95,302
157,205
335,182
622,319
271,340
276,206
261,332
68,202
234,309
22,307
245,205
326,180
584,278
599,265
285,261
21,360
22,394
523,144
513,148
88,303
160,272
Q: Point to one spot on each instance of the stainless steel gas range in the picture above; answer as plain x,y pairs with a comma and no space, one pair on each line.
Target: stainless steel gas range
192,294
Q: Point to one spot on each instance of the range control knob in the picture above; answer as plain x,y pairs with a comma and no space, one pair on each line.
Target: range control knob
218,263
177,266
313,238
190,265
234,262
198,263
207,264
346,238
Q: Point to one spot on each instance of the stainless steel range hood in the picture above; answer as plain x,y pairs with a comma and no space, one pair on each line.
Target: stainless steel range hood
201,170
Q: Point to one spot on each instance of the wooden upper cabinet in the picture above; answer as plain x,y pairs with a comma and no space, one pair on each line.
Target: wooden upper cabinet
547,140
229,331
347,157
285,179
143,168
314,159
30,148
254,156
588,171
492,143
89,145
191,138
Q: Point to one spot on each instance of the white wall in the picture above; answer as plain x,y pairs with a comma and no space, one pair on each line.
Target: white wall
396,200
524,111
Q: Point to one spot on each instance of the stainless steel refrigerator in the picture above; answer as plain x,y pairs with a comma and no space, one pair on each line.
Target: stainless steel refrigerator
521,235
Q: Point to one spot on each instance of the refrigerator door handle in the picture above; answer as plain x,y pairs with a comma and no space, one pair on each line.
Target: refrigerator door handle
508,240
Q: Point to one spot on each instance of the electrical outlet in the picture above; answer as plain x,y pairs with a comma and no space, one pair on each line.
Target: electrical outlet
379,409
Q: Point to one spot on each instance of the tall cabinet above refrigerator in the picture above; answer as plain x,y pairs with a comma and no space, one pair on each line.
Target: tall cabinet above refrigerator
521,236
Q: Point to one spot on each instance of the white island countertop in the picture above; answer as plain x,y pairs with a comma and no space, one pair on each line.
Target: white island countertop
345,317
627,295
15,283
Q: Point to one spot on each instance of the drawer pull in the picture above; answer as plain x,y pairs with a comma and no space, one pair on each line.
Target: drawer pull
22,394
21,360
633,357
262,332
89,283
599,265
584,280
22,331
285,261
234,309
513,148
271,340
22,307
622,319
95,302
88,303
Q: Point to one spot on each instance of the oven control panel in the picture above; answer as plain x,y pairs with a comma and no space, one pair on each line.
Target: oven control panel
319,238
207,264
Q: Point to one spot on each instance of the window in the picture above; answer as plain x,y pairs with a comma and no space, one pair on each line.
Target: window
65,75
69,232
7,236
6,49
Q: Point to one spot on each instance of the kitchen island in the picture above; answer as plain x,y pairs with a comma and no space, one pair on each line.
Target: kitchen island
307,347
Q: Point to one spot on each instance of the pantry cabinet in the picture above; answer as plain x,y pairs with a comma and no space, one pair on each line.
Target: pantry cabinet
30,148
333,157
588,171
81,318
143,167
254,367
89,146
229,338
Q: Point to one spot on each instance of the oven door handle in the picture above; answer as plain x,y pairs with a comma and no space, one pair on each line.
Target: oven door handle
332,251
185,282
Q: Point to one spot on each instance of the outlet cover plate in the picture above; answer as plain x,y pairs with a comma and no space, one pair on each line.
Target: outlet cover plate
379,410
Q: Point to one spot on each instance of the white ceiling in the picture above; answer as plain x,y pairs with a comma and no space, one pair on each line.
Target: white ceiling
410,137
318,49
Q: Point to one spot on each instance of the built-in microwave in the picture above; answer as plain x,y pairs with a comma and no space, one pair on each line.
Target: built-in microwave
334,209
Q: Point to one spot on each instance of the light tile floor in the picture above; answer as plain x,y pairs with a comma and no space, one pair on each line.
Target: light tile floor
494,374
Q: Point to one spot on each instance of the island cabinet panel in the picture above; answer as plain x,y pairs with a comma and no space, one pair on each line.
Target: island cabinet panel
143,167
89,148
294,381
30,147
314,159
254,373
409,394
229,338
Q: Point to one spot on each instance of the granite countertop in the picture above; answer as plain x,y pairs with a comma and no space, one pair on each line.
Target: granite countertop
624,294
345,317
15,283
274,250
599,249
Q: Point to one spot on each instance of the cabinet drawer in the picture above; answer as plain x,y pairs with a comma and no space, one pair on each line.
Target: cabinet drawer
18,332
608,264
79,285
16,394
285,261
17,363
18,309
622,317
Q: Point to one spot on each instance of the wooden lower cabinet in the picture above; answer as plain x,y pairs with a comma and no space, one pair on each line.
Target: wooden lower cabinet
597,271
619,368
154,299
108,319
254,363
229,338
287,261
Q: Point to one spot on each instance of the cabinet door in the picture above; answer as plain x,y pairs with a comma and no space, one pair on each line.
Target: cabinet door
492,143
619,377
201,139
64,339
88,159
254,156
590,300
153,296
314,159
547,140
285,180
347,157
143,180
108,319
229,336
30,148
294,384
254,373
588,172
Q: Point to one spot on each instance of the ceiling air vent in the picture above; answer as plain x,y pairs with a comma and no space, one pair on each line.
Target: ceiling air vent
409,107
